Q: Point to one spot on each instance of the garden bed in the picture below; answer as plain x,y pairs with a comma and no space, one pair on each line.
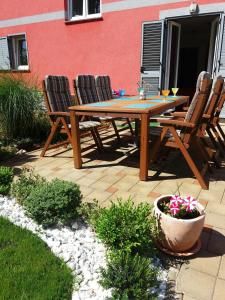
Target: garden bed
78,246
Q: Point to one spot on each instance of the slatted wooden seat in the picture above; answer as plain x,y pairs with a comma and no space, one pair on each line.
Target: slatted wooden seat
188,129
58,98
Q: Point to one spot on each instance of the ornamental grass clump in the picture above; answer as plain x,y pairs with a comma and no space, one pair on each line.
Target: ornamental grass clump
53,203
21,107
180,208
130,277
6,178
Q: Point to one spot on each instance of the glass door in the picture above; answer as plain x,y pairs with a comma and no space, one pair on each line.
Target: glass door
172,54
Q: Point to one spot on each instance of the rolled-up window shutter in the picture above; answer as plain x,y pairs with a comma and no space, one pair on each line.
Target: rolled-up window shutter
4,54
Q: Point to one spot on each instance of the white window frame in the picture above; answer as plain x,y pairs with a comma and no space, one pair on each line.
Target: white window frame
15,41
85,15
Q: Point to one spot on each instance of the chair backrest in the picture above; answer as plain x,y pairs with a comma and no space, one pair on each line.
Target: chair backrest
214,95
86,89
103,86
57,90
196,109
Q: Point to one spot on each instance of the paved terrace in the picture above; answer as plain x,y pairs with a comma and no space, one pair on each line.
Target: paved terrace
114,173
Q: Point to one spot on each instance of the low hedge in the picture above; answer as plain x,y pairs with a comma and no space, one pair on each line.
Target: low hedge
53,203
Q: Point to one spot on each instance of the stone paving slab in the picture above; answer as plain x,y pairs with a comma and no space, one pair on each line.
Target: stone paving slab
219,292
195,284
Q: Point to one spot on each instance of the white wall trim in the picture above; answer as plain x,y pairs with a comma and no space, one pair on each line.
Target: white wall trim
57,15
131,4
119,6
106,8
184,11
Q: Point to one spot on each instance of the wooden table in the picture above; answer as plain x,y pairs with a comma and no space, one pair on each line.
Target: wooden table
128,107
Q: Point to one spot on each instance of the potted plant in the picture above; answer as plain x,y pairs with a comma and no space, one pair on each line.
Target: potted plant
180,222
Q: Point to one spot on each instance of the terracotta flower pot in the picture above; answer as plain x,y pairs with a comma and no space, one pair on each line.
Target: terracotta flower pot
178,235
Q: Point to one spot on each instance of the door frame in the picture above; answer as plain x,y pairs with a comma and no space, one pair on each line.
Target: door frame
168,51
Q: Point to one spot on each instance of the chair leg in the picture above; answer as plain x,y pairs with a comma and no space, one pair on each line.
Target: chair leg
209,152
130,127
50,137
116,130
189,160
214,141
204,153
98,138
157,144
95,139
219,133
66,128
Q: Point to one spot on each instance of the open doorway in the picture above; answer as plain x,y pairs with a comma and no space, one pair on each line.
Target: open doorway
190,50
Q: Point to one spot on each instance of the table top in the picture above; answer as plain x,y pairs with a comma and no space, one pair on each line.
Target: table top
152,105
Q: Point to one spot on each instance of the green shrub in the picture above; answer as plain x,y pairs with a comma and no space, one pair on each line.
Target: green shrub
53,202
123,226
129,277
21,106
23,186
6,178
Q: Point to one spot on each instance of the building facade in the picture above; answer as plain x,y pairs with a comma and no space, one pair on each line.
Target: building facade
163,42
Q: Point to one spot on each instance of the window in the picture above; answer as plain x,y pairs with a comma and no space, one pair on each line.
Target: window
13,53
84,9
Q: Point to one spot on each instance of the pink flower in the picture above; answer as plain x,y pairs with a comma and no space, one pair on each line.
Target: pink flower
190,203
177,200
174,209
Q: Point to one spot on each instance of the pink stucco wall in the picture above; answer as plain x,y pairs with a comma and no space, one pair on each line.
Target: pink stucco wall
108,46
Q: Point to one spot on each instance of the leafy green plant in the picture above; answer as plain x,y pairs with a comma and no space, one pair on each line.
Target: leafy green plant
6,178
21,106
23,186
129,277
53,202
123,226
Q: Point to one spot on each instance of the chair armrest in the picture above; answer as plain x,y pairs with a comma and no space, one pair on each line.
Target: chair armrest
206,116
179,114
175,123
59,113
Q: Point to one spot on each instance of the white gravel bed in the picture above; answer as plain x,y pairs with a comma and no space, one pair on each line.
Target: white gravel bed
78,246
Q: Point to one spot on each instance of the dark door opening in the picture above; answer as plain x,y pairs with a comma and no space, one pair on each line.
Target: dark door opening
197,43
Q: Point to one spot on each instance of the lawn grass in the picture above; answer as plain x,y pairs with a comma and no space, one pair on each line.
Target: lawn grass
28,269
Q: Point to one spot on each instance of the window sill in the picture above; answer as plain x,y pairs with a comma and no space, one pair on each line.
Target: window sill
84,20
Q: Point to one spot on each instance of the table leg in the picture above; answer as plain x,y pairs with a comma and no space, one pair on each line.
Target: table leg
144,150
75,135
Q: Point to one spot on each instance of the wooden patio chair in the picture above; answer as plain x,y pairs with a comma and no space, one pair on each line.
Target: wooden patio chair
85,88
204,130
104,90
58,98
182,133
